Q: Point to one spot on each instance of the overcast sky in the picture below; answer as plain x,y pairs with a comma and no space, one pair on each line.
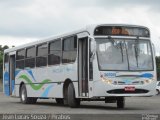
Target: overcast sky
23,21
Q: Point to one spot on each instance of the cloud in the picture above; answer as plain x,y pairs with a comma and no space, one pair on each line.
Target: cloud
38,18
110,4
15,41
43,18
27,19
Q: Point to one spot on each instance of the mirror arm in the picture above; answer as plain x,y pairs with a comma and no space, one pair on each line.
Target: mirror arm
92,57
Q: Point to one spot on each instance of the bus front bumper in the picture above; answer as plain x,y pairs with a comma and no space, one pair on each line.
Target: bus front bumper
103,89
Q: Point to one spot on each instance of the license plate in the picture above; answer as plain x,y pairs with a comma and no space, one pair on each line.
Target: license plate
129,88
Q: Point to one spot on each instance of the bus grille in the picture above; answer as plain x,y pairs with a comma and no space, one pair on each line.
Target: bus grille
131,83
122,91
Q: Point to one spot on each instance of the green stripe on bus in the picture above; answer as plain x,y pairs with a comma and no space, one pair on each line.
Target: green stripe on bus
35,87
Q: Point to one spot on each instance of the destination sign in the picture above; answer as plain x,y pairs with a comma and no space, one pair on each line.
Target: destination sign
121,31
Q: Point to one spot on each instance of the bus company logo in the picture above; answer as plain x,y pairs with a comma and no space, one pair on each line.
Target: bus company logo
110,74
149,117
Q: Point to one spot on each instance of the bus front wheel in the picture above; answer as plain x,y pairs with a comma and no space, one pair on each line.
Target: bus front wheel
120,102
23,96
72,101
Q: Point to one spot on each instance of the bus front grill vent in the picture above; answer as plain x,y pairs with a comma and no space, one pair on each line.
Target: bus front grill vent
122,91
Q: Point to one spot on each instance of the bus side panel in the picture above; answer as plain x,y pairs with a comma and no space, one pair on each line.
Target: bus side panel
76,89
52,90
40,82
16,87
47,81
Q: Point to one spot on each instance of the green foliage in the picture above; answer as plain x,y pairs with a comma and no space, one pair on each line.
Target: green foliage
2,48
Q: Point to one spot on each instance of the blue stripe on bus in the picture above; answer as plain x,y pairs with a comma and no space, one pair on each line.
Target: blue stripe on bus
45,93
6,83
146,75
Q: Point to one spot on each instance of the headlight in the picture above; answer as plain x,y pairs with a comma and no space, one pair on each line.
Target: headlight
147,81
106,80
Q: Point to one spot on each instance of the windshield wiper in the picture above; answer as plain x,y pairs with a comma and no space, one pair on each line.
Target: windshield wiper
113,42
136,50
121,51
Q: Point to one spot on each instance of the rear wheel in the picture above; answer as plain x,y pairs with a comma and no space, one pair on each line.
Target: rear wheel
59,100
120,102
72,101
23,96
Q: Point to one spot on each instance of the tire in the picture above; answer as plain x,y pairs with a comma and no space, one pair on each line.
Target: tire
157,92
33,100
72,101
23,96
120,102
59,100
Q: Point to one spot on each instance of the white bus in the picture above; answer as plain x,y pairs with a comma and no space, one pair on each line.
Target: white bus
98,63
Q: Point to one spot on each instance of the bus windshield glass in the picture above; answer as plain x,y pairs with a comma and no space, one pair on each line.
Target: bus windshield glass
124,54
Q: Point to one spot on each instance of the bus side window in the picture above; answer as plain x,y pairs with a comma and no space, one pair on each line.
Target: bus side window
69,49
55,52
20,59
42,53
30,57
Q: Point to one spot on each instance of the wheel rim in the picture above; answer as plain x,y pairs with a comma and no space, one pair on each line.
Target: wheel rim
23,95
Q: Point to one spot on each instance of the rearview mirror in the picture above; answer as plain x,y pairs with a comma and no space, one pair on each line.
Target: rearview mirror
93,45
92,48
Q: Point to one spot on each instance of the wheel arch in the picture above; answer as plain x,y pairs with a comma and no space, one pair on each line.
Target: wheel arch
65,87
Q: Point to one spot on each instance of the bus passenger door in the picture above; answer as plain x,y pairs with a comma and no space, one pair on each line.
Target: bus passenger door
83,73
6,79
12,73
9,74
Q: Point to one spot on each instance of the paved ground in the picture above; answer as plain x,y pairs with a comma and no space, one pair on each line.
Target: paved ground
134,105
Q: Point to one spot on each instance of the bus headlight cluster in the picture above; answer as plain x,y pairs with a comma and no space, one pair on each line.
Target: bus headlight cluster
106,80
148,81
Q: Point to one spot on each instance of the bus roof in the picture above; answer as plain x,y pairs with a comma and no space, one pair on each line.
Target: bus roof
89,29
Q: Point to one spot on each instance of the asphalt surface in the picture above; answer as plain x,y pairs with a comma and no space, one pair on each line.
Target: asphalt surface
135,108
134,105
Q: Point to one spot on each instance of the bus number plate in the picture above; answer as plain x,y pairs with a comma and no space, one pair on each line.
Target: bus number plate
129,88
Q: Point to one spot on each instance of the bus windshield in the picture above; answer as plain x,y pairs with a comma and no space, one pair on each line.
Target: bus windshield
124,54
